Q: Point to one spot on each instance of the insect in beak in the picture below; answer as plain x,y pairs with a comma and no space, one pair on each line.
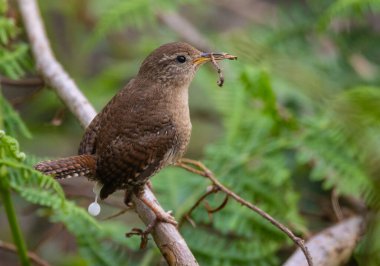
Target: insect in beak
213,58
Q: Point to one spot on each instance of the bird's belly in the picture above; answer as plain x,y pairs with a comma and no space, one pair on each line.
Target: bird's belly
184,139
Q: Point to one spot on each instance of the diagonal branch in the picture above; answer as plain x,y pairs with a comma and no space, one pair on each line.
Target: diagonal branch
51,70
204,171
31,255
184,29
167,238
332,246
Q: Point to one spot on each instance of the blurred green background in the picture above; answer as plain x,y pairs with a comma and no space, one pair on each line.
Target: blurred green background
294,128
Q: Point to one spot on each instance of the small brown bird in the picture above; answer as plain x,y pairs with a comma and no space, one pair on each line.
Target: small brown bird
144,128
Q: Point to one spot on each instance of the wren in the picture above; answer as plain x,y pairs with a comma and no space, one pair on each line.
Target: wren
145,127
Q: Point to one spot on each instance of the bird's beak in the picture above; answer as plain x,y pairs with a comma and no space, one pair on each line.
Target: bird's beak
206,57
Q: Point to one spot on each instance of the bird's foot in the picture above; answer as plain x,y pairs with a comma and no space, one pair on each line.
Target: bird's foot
144,234
165,217
161,215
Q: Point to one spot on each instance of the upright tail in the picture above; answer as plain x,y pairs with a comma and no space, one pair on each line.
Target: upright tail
80,165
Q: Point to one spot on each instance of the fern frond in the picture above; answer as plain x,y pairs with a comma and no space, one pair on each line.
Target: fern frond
46,192
16,61
11,120
341,8
336,160
8,30
135,13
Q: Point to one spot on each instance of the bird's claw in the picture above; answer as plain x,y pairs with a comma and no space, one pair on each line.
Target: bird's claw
143,234
164,217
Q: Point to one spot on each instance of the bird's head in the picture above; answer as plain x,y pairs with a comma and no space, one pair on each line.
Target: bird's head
176,63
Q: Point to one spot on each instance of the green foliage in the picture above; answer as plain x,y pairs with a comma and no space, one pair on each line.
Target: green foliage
11,120
252,160
335,159
285,106
134,13
15,60
348,8
44,191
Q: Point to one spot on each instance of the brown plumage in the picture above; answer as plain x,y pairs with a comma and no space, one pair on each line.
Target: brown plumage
144,128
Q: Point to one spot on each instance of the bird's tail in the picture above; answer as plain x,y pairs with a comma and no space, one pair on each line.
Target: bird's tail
80,165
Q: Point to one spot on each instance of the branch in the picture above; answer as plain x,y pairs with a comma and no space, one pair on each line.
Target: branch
28,82
31,255
196,204
333,246
258,11
167,238
204,171
184,29
51,71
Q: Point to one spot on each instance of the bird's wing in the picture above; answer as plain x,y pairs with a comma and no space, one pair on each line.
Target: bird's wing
129,162
88,143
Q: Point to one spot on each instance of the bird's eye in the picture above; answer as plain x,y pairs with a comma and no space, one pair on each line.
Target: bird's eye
181,59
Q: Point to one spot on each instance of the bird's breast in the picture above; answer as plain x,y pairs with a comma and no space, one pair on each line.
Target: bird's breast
182,122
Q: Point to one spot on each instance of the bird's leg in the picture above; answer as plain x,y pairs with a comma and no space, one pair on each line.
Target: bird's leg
161,215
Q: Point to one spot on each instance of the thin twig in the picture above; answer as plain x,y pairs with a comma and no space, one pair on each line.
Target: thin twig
31,255
335,205
22,99
196,204
33,82
54,230
184,163
119,213
220,207
185,29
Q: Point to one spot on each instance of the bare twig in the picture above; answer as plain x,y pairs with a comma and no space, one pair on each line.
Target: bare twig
185,30
169,241
184,163
220,207
333,246
258,11
196,204
54,230
33,256
36,84
335,204
33,82
121,212
21,99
